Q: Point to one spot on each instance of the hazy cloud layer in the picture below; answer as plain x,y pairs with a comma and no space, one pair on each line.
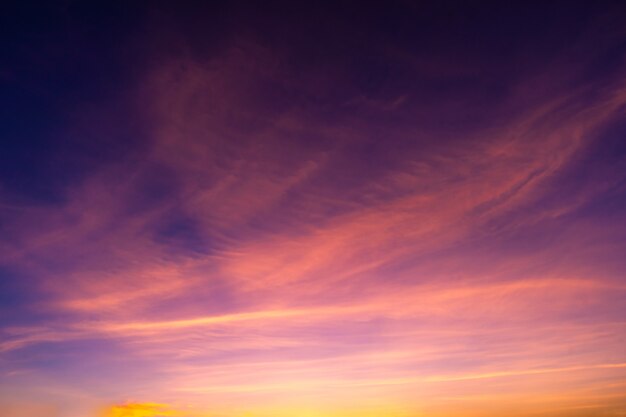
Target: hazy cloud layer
420,233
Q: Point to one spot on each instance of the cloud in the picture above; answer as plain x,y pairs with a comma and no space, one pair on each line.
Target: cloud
140,410
272,241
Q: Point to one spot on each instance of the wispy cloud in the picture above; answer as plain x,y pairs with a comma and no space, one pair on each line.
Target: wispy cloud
270,243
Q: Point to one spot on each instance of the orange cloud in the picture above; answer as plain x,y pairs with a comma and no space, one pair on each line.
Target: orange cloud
140,410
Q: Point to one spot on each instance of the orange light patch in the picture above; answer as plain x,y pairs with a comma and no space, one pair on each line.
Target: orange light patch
140,410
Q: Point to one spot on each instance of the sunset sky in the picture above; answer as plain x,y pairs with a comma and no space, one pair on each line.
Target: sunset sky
310,209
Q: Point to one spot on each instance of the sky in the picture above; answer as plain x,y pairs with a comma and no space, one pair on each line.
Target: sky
310,209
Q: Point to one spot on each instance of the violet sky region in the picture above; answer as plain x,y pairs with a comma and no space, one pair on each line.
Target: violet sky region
310,209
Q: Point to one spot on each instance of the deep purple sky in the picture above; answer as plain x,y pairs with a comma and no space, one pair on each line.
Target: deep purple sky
406,209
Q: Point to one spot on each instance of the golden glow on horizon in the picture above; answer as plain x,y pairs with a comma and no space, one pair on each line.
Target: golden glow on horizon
140,410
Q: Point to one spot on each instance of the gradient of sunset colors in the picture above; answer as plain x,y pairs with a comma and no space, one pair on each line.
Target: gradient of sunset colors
288,210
